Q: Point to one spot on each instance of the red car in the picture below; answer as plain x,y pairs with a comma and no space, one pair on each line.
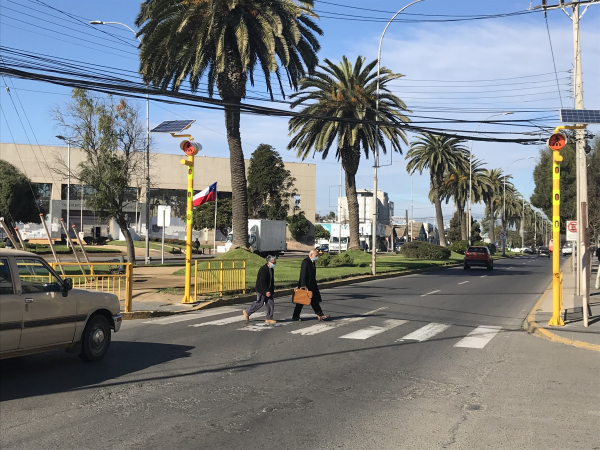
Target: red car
478,256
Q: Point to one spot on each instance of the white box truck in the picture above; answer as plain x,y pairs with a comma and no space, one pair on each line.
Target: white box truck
266,237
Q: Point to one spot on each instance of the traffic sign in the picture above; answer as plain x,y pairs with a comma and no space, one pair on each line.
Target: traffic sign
503,235
572,230
557,141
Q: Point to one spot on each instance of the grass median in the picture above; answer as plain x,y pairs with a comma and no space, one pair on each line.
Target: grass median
287,270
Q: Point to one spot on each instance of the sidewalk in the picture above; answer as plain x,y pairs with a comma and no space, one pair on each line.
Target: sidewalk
573,333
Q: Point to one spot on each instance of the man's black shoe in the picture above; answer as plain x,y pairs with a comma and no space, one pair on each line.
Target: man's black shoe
296,319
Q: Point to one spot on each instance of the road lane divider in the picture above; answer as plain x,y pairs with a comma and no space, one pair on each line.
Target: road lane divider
429,293
326,326
463,282
479,337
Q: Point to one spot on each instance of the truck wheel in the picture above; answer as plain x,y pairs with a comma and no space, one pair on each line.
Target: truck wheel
95,339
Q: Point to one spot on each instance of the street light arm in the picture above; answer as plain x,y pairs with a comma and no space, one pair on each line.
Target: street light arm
100,22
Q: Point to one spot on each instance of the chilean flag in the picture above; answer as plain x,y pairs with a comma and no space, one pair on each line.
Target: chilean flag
207,195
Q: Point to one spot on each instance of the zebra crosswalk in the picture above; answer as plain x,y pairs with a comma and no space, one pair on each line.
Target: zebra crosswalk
360,327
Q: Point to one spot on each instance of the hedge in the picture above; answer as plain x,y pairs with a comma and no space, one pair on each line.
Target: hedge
425,250
459,247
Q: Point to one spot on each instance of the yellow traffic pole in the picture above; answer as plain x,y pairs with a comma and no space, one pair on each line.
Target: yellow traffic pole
187,298
556,320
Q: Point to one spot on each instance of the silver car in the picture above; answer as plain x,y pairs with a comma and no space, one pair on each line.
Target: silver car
40,311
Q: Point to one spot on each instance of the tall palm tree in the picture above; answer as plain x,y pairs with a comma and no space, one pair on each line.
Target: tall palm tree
456,187
440,155
222,42
347,91
492,197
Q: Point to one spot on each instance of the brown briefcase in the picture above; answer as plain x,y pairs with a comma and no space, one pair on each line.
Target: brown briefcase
302,296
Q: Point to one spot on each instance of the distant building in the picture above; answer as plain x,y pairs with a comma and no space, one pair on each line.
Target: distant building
385,211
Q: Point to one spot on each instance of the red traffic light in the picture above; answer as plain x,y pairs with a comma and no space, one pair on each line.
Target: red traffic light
190,148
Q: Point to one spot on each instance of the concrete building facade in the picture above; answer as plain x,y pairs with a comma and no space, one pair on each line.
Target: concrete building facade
168,187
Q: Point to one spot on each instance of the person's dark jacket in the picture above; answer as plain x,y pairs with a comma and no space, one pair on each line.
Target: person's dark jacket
265,281
308,278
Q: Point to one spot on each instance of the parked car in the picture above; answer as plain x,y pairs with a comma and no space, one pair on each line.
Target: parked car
567,250
544,251
478,256
323,248
40,311
527,250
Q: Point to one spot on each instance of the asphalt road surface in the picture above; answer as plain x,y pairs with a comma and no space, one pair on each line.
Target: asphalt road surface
436,360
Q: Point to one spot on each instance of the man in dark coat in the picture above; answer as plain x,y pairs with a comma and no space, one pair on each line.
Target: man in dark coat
265,290
308,279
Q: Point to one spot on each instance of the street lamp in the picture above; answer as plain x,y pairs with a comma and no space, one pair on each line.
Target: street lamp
100,22
376,152
68,141
471,171
504,203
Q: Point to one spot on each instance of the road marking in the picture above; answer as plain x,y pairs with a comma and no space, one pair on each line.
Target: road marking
426,332
191,316
368,332
320,327
432,292
229,320
463,282
479,337
263,326
483,276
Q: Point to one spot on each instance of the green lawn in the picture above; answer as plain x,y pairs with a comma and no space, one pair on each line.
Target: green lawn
288,270
153,245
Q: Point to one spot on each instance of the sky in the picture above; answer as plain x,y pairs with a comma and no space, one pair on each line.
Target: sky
466,70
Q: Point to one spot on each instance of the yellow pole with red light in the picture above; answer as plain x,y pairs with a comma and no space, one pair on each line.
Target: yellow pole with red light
190,148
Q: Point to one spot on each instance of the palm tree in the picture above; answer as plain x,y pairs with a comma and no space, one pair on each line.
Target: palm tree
222,42
346,91
439,154
456,187
492,197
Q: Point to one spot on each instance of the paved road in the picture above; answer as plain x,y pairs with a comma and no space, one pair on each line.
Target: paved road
436,360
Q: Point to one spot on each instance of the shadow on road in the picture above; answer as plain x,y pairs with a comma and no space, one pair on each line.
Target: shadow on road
58,371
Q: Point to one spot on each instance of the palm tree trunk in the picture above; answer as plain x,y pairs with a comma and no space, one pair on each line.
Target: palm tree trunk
350,161
232,88
435,189
460,207
492,232
237,166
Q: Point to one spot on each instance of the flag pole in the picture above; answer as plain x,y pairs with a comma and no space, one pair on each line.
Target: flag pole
215,233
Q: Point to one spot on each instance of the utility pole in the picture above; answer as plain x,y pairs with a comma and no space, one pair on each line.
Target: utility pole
582,247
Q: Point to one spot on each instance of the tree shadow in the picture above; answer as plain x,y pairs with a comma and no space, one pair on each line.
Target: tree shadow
58,371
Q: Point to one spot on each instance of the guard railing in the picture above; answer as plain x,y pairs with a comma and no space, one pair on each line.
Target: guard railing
219,276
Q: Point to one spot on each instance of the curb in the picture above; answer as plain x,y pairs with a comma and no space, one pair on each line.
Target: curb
282,293
530,326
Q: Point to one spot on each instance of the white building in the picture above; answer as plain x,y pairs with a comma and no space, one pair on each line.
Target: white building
385,211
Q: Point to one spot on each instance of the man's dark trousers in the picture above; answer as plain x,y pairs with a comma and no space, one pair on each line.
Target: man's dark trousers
259,302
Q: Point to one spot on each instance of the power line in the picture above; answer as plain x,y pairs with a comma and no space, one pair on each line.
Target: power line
553,61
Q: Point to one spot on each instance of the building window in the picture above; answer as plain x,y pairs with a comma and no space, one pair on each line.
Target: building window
75,192
296,202
43,192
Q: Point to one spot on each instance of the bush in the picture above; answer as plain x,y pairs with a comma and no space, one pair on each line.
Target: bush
324,260
341,260
492,248
425,250
459,247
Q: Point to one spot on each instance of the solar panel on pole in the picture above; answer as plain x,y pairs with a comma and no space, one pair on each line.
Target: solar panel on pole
172,126
582,116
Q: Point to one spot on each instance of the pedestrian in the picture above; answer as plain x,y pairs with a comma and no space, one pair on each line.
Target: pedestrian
265,291
367,246
8,243
308,279
197,245
598,275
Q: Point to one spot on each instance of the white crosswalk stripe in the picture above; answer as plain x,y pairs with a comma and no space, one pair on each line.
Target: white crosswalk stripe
234,319
371,331
320,327
479,337
192,316
425,333
263,326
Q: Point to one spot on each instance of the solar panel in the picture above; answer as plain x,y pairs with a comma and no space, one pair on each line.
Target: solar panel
580,115
172,126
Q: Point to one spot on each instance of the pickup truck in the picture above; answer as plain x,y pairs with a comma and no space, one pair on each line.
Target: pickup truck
40,311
